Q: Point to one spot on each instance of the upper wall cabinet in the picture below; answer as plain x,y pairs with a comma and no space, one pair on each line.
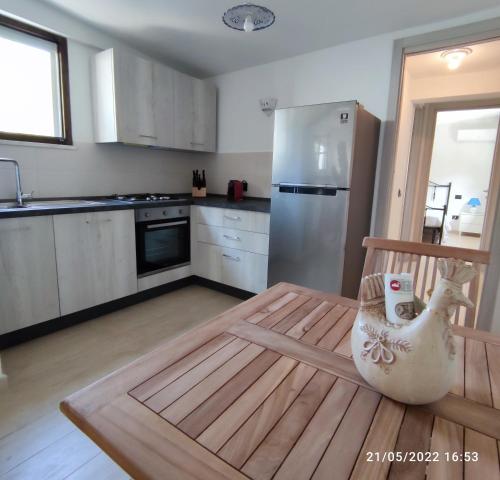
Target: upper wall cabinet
195,113
141,102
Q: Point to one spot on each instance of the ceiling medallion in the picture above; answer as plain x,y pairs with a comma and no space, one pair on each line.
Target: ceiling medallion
248,17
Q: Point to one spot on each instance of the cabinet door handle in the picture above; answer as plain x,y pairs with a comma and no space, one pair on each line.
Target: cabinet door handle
98,221
229,237
232,218
148,136
197,143
230,257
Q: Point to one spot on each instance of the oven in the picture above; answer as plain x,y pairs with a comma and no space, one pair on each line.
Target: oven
162,239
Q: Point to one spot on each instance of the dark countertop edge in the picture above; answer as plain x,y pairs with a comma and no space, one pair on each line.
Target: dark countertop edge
253,204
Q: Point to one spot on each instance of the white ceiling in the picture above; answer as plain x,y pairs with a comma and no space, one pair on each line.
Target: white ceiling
484,56
190,35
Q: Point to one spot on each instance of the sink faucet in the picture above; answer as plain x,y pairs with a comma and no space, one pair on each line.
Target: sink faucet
20,196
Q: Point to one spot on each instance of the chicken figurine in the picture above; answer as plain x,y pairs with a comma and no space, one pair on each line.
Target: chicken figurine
413,360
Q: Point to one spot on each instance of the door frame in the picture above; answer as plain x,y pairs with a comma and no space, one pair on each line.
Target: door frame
430,41
468,34
419,165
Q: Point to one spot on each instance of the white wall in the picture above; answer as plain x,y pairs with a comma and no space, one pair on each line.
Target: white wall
358,70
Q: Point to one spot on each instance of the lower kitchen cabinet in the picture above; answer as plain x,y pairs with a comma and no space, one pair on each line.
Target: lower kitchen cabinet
230,246
95,255
236,268
28,274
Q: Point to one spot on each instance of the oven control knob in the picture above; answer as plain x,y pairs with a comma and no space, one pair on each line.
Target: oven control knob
180,210
165,212
147,214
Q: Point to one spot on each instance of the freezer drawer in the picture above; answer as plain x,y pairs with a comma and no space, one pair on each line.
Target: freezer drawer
307,239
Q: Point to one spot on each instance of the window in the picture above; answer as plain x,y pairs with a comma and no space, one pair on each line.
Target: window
34,90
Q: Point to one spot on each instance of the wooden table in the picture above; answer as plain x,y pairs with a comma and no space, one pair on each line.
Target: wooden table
268,390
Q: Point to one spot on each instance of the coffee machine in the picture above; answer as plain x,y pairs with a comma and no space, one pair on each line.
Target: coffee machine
235,189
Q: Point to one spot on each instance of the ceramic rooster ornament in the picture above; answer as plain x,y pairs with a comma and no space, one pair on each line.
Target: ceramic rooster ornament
412,361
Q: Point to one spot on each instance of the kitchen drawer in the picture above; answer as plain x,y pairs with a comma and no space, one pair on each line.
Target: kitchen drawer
236,268
228,237
236,219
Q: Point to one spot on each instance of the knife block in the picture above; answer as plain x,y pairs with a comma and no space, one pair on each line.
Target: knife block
199,192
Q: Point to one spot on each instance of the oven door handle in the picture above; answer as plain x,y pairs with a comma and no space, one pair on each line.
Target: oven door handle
166,224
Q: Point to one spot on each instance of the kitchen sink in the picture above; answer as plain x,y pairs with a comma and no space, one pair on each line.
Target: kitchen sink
62,203
50,204
7,205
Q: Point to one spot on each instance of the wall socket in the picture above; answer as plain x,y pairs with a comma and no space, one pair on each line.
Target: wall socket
458,197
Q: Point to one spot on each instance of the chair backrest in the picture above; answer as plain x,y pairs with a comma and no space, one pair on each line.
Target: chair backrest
397,256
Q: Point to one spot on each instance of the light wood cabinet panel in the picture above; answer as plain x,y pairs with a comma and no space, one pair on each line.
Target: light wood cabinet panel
245,270
239,239
122,87
195,113
184,110
141,102
28,275
163,104
236,268
134,99
95,255
205,116
208,262
238,219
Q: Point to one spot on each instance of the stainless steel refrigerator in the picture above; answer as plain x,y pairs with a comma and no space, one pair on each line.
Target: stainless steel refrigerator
324,162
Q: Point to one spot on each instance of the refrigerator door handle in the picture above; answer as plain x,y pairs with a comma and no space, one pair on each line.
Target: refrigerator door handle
309,189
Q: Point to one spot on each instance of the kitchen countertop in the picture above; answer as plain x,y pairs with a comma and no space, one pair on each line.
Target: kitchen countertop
220,201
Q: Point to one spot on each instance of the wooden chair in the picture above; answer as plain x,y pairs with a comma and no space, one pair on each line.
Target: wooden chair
396,256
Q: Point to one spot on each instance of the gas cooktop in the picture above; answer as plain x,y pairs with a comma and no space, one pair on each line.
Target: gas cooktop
144,197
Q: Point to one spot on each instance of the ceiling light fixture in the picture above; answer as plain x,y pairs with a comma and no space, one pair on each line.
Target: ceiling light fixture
455,57
248,17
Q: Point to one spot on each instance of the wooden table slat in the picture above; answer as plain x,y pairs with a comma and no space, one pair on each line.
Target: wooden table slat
272,319
242,444
207,412
192,399
167,395
268,457
217,434
173,372
304,457
381,438
343,450
272,307
338,331
319,330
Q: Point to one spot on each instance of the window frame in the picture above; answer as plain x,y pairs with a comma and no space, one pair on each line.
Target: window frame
62,52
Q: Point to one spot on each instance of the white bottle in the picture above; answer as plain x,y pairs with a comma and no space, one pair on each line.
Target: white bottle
399,297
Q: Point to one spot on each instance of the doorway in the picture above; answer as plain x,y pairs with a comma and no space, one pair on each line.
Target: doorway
457,176
433,94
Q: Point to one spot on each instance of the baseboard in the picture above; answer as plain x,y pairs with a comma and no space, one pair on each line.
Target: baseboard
221,287
11,339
